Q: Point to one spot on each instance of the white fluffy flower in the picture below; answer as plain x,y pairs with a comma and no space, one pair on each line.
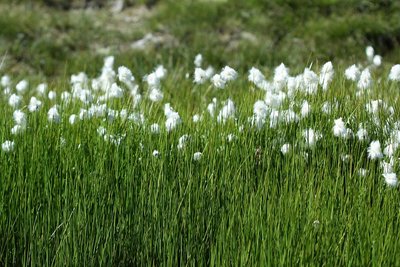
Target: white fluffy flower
72,119
377,60
22,86
212,106
394,74
310,81
196,118
14,100
115,91
160,72
125,75
255,76
285,149
173,118
182,141
53,115
326,75
52,95
198,60
8,146
281,75
311,137
260,109
197,156
227,111
365,80
228,74
374,150
362,134
352,73
340,130
41,89
200,76
17,129
66,97
156,95
390,179
156,154
369,51
218,82
19,117
390,149
305,109
5,81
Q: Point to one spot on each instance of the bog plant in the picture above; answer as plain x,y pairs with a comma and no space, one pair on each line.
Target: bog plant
202,166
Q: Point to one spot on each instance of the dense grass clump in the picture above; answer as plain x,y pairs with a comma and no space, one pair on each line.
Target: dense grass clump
208,167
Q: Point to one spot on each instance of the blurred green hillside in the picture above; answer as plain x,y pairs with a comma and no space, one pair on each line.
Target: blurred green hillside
57,37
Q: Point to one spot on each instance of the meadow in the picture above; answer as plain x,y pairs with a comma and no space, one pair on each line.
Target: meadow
196,154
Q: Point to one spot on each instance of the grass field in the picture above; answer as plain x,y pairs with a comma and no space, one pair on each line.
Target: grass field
151,158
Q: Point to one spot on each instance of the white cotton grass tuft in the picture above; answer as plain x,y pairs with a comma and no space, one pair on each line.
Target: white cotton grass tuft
281,75
362,133
227,112
311,137
34,104
369,52
41,89
200,76
17,129
212,107
52,95
326,75
198,60
285,149
173,118
197,156
22,86
125,76
183,141
218,82
374,150
310,81
352,73
365,81
14,101
394,74
197,118
8,146
305,109
19,117
5,81
72,119
156,154
228,74
340,130
390,179
377,60
53,115
256,76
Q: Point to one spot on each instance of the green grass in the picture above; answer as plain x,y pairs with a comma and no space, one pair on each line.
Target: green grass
69,197
89,202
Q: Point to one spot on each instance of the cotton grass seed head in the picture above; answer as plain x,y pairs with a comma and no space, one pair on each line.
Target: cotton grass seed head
8,146
197,156
374,150
390,179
